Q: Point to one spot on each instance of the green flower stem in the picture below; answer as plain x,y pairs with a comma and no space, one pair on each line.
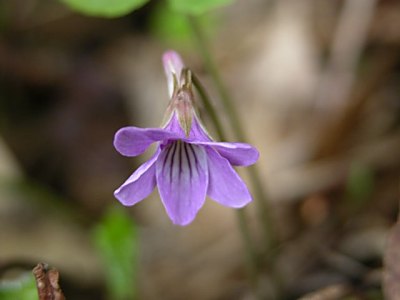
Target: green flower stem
260,196
251,254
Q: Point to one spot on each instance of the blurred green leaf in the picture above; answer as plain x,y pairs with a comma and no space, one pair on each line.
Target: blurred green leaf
173,28
196,7
360,184
116,239
105,8
170,26
23,288
4,17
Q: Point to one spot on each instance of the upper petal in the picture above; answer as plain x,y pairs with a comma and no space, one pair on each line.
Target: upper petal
225,186
182,179
238,154
173,65
197,132
140,184
132,141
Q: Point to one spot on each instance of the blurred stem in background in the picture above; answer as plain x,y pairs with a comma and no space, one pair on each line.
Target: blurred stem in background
264,215
251,254
269,239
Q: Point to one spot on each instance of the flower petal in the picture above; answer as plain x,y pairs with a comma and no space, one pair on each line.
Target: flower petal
140,184
173,64
132,141
197,132
238,154
182,178
225,186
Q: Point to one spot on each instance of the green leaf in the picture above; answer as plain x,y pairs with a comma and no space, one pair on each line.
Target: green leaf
196,7
170,26
360,184
23,287
105,8
115,238
173,28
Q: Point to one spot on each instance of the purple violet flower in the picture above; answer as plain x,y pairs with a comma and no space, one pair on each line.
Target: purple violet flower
188,164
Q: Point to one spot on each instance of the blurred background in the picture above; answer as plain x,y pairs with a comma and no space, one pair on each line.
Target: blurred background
317,87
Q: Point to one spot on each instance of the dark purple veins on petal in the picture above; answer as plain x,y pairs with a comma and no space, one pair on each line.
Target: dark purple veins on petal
169,156
180,144
180,159
193,153
188,158
168,150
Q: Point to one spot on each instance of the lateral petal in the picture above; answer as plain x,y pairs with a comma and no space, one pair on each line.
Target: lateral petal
140,184
225,186
238,154
133,141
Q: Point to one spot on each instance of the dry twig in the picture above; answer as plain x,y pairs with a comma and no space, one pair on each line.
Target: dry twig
47,283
